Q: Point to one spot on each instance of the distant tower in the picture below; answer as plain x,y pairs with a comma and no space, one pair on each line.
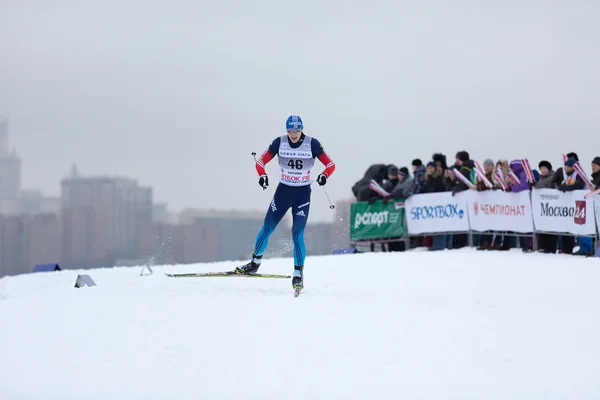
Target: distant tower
3,135
10,166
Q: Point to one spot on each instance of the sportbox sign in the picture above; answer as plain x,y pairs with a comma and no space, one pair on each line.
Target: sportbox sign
377,220
436,212
556,211
495,210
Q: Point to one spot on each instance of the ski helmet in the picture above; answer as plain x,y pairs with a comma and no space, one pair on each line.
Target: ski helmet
294,122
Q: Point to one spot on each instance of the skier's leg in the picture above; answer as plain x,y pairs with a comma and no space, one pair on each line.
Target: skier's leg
279,205
300,210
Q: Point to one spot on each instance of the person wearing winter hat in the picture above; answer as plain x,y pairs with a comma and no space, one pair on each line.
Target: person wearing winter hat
547,243
488,166
546,175
419,171
404,188
392,178
572,180
488,170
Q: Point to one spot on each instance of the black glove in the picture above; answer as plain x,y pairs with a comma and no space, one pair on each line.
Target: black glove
263,181
321,179
386,199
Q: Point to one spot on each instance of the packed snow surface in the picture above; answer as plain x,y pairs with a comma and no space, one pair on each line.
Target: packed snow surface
457,324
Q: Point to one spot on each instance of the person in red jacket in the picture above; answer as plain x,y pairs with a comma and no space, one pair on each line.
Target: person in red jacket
296,153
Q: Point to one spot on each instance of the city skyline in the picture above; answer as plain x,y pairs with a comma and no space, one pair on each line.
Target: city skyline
103,221
179,95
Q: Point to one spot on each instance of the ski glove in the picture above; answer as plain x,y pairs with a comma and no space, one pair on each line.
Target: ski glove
263,181
322,179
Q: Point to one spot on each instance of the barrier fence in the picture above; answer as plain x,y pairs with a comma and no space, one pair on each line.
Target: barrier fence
527,213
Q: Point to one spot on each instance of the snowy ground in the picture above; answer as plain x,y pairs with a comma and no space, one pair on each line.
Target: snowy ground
418,325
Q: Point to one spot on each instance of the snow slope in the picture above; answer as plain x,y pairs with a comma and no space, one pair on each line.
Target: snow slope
456,324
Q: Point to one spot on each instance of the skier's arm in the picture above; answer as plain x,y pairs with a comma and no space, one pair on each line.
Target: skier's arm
262,161
267,156
328,163
319,152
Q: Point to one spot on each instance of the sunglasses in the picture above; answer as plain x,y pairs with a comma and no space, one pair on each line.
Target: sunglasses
294,130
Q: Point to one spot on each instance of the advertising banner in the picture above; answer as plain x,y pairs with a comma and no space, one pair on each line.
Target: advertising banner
437,213
496,210
377,220
570,212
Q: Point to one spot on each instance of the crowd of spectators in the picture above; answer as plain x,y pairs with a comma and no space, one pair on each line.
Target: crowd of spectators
437,176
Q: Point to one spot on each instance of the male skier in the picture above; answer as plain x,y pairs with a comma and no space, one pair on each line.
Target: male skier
296,153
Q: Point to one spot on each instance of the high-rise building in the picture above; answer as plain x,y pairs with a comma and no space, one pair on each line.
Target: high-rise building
10,166
27,240
102,217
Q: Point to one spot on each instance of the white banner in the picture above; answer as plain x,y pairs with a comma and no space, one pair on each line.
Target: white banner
556,211
496,210
436,213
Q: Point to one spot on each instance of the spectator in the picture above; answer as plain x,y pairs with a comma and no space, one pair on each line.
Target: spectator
404,187
448,182
502,167
519,171
566,242
547,243
418,175
501,240
559,176
546,176
361,189
392,178
440,161
516,167
488,170
571,179
595,173
434,178
485,240
466,167
434,183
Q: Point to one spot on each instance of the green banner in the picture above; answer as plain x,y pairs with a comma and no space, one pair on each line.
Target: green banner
377,220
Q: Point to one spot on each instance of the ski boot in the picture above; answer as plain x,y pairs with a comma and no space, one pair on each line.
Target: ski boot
249,268
297,280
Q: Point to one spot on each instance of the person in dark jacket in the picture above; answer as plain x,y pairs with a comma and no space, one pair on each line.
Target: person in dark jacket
566,242
419,171
571,179
486,239
361,189
434,179
434,183
547,242
392,178
466,167
559,174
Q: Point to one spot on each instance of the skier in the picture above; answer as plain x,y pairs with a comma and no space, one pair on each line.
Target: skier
296,153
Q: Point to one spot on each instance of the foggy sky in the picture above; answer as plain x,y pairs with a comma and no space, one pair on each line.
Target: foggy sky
179,94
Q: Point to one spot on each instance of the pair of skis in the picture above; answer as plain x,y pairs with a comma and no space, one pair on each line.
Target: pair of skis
233,274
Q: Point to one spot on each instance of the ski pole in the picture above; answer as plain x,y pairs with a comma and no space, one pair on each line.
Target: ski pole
328,199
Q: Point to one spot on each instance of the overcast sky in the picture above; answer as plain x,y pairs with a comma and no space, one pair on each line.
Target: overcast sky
179,93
